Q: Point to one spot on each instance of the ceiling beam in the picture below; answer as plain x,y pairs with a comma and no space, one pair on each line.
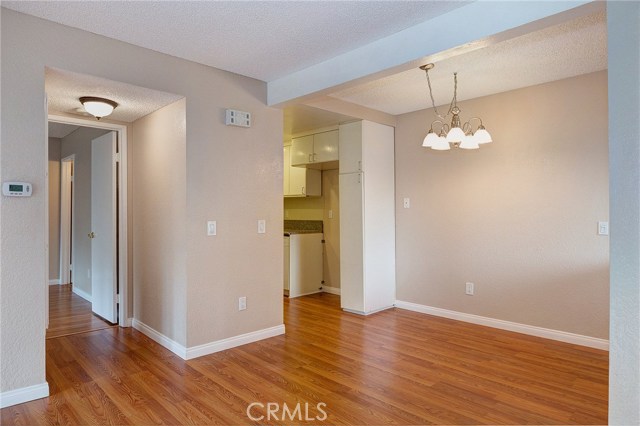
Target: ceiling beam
467,28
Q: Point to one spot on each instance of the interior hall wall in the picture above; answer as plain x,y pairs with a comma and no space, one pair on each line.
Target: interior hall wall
54,210
159,218
518,217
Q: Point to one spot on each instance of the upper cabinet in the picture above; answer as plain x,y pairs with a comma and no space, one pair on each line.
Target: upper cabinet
298,181
315,151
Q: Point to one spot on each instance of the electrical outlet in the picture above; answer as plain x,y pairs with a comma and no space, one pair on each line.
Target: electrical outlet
242,303
406,203
262,226
469,290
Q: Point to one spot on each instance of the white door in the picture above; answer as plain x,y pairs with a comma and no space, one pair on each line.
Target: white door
103,227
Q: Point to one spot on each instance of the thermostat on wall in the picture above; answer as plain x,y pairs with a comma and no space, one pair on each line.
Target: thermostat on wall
16,189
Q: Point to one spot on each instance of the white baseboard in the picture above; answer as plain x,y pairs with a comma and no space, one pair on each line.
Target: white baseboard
86,296
18,396
331,290
207,348
232,342
160,338
54,282
562,336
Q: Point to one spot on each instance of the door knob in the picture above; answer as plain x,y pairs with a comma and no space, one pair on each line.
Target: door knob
91,234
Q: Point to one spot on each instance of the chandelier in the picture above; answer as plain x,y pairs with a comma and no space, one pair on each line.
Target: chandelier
458,135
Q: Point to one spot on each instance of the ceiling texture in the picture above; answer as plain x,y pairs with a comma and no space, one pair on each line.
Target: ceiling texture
268,40
64,89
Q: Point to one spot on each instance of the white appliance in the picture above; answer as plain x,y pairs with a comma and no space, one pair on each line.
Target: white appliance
367,217
302,264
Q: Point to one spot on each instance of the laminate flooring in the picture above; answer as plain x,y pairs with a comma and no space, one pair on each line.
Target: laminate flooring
70,313
393,367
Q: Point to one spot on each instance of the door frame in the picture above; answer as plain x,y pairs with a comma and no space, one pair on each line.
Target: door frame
67,204
123,247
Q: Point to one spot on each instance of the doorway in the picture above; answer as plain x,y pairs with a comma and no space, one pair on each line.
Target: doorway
72,304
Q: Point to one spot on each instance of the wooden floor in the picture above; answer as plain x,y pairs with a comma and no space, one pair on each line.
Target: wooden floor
394,367
70,313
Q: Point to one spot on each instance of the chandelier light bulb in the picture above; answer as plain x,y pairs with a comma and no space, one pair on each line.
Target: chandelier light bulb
430,139
482,135
441,144
455,135
469,142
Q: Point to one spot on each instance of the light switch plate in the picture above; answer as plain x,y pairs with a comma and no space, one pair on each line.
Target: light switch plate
211,228
603,228
262,226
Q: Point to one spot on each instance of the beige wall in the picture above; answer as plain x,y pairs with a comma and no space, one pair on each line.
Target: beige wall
159,221
518,217
78,143
54,208
331,197
234,176
304,208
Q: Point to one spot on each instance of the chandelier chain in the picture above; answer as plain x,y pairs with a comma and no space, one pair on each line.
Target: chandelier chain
453,100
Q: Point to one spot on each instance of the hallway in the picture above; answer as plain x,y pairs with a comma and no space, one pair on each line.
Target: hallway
70,313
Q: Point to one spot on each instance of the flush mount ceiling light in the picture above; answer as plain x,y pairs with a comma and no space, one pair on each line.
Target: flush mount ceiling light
98,107
454,134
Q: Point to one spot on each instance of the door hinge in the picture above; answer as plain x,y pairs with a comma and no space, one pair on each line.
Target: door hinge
118,298
117,157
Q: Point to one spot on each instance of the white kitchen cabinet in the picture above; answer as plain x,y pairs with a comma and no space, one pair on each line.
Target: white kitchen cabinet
299,181
302,150
315,149
367,217
304,273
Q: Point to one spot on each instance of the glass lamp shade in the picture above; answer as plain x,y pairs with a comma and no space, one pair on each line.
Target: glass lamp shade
98,107
469,142
430,139
482,136
441,144
455,135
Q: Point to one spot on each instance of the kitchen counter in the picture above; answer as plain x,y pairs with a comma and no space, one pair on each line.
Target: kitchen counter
288,232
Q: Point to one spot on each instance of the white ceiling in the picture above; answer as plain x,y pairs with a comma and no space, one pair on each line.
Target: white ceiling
260,39
566,50
271,39
303,118
64,88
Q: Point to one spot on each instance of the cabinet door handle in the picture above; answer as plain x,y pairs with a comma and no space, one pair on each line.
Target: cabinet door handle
303,193
314,157
360,165
311,158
